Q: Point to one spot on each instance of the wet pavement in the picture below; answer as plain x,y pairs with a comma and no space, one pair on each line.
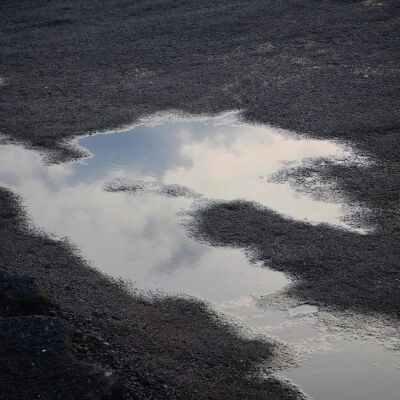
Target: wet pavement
126,209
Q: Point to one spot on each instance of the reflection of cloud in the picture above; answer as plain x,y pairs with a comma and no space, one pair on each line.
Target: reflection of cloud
218,158
184,254
137,237
19,166
148,151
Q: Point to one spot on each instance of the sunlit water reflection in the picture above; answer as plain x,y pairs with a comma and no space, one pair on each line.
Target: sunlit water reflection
135,234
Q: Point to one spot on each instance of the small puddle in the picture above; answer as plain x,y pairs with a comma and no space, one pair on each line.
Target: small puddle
333,365
350,370
121,207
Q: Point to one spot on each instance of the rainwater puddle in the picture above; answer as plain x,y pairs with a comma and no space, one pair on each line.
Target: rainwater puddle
333,366
350,370
121,208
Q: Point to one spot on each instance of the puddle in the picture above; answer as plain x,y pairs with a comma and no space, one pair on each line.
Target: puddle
350,370
331,367
217,158
121,208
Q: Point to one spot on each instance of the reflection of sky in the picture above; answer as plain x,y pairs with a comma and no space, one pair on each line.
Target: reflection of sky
354,370
334,368
135,237
218,158
138,237
145,150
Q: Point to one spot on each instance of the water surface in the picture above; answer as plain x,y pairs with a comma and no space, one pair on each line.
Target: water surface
158,171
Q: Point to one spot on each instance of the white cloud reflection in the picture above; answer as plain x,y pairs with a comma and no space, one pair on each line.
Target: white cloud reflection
137,237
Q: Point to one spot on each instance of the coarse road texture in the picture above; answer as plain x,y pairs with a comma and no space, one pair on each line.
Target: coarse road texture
328,69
